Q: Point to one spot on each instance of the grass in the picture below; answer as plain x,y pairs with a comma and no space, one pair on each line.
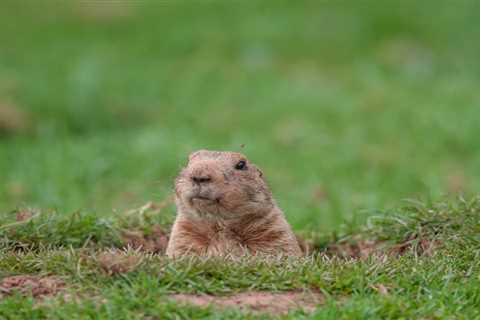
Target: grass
355,102
442,284
348,107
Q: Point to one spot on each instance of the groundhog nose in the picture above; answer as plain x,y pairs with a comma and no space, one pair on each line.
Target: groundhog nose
201,178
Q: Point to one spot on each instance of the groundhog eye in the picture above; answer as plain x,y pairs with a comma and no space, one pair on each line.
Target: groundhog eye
241,165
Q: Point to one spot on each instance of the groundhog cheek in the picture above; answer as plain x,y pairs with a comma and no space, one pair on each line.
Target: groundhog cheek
182,191
179,189
235,198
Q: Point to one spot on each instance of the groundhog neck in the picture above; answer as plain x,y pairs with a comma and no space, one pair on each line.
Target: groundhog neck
247,219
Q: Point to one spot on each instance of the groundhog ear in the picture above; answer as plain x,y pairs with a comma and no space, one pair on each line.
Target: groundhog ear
192,155
260,172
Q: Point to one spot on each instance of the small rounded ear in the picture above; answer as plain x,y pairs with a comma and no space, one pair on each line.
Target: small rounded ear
260,172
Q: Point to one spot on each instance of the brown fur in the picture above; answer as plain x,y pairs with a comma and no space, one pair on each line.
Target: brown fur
223,210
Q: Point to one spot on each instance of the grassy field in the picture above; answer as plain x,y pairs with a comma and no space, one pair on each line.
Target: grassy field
349,107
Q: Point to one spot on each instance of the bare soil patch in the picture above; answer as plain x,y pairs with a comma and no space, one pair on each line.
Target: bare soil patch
154,242
257,301
146,237
36,286
362,249
12,119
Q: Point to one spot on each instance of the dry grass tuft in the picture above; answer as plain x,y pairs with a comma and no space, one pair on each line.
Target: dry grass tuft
23,215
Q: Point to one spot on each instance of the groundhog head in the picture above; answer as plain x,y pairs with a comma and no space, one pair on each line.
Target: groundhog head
223,185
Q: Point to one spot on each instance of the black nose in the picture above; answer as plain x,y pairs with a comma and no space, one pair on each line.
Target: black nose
201,179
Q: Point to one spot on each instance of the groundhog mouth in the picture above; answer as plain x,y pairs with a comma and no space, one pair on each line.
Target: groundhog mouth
204,200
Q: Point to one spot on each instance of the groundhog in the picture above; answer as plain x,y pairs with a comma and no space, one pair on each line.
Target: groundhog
225,208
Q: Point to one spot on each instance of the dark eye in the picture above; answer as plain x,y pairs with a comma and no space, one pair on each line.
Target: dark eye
241,165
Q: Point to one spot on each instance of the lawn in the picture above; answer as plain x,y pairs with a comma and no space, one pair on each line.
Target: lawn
349,108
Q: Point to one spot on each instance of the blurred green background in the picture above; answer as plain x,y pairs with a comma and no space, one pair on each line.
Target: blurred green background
348,106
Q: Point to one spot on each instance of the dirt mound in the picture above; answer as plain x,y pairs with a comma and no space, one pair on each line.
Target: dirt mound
31,285
117,262
362,249
257,301
154,242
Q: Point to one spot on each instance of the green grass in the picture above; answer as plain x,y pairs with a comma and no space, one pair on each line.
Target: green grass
348,107
442,284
